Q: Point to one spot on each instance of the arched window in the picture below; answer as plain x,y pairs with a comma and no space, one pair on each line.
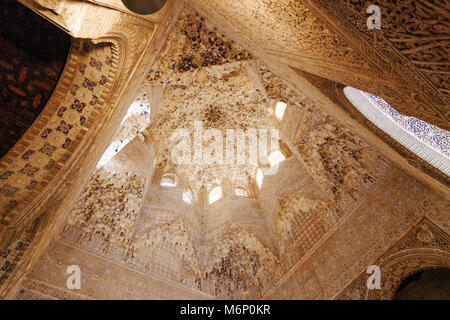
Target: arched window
169,180
139,112
215,194
427,141
188,196
276,158
259,178
241,191
280,109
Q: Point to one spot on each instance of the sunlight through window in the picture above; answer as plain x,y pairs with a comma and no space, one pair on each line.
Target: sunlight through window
276,158
259,178
215,195
169,180
280,109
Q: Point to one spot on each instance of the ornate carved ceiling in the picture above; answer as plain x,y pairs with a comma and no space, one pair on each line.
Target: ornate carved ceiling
337,204
348,52
422,32
30,68
205,77
40,154
419,31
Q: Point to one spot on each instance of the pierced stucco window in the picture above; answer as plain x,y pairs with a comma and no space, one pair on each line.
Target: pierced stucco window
169,180
427,141
241,192
188,196
215,194
280,109
276,158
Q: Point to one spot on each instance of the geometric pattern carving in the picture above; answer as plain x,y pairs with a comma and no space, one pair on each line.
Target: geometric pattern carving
349,20
423,247
419,31
64,123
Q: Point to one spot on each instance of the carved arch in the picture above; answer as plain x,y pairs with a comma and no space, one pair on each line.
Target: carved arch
402,265
120,51
424,247
30,219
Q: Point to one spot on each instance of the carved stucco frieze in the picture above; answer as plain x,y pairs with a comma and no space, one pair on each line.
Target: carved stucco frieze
80,108
238,257
378,47
424,247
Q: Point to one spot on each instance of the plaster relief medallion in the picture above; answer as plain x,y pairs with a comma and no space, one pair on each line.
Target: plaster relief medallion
32,185
61,111
82,68
425,235
8,190
50,165
78,105
29,170
96,64
27,154
6,174
64,127
89,84
47,149
46,132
